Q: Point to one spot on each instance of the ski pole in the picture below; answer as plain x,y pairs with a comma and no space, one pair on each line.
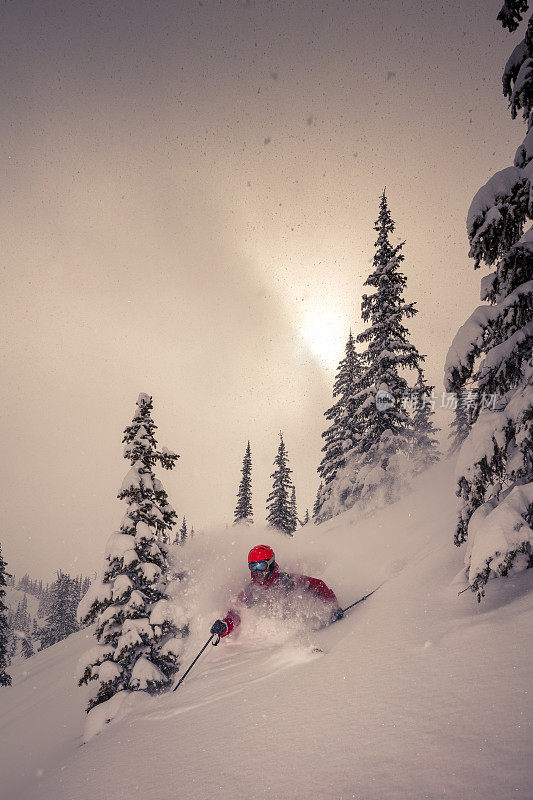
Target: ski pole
361,599
196,659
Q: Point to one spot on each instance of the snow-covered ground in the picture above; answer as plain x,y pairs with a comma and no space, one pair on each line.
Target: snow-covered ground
420,693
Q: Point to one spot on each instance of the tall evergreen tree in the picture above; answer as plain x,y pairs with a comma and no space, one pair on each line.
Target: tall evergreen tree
280,514
377,456
493,351
5,679
61,620
183,531
243,510
425,445
342,435
386,429
138,630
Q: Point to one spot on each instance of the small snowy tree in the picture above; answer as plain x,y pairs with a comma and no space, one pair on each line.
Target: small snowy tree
243,510
493,352
183,531
138,628
425,449
5,679
293,508
279,506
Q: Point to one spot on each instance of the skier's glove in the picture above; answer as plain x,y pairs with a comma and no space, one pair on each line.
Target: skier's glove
337,614
218,628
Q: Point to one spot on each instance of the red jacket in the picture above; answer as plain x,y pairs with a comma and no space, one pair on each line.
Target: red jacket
279,581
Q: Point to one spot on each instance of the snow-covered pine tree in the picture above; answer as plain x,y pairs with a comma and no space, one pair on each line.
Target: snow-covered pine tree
5,679
341,436
378,464
425,445
243,510
183,531
138,628
493,351
386,430
280,514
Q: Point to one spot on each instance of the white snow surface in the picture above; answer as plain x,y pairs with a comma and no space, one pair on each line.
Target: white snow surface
420,693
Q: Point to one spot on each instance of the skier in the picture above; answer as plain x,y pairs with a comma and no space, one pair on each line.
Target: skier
269,583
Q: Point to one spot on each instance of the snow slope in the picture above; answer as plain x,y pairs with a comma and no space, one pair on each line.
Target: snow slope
421,693
15,596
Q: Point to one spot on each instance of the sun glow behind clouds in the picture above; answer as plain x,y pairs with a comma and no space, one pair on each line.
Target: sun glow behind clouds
324,332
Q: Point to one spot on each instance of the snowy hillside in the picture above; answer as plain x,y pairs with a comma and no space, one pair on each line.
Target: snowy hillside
16,596
420,693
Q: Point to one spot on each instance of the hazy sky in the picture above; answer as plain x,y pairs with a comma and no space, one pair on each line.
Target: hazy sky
188,199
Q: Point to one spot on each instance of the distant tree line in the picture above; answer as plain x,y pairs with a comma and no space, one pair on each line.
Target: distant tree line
20,631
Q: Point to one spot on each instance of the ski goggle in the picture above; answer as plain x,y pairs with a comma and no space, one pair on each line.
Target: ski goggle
259,566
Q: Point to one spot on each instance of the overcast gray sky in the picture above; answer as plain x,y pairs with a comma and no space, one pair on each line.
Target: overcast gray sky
188,202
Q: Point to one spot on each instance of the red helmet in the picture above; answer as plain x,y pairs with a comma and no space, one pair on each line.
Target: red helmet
261,552
262,563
